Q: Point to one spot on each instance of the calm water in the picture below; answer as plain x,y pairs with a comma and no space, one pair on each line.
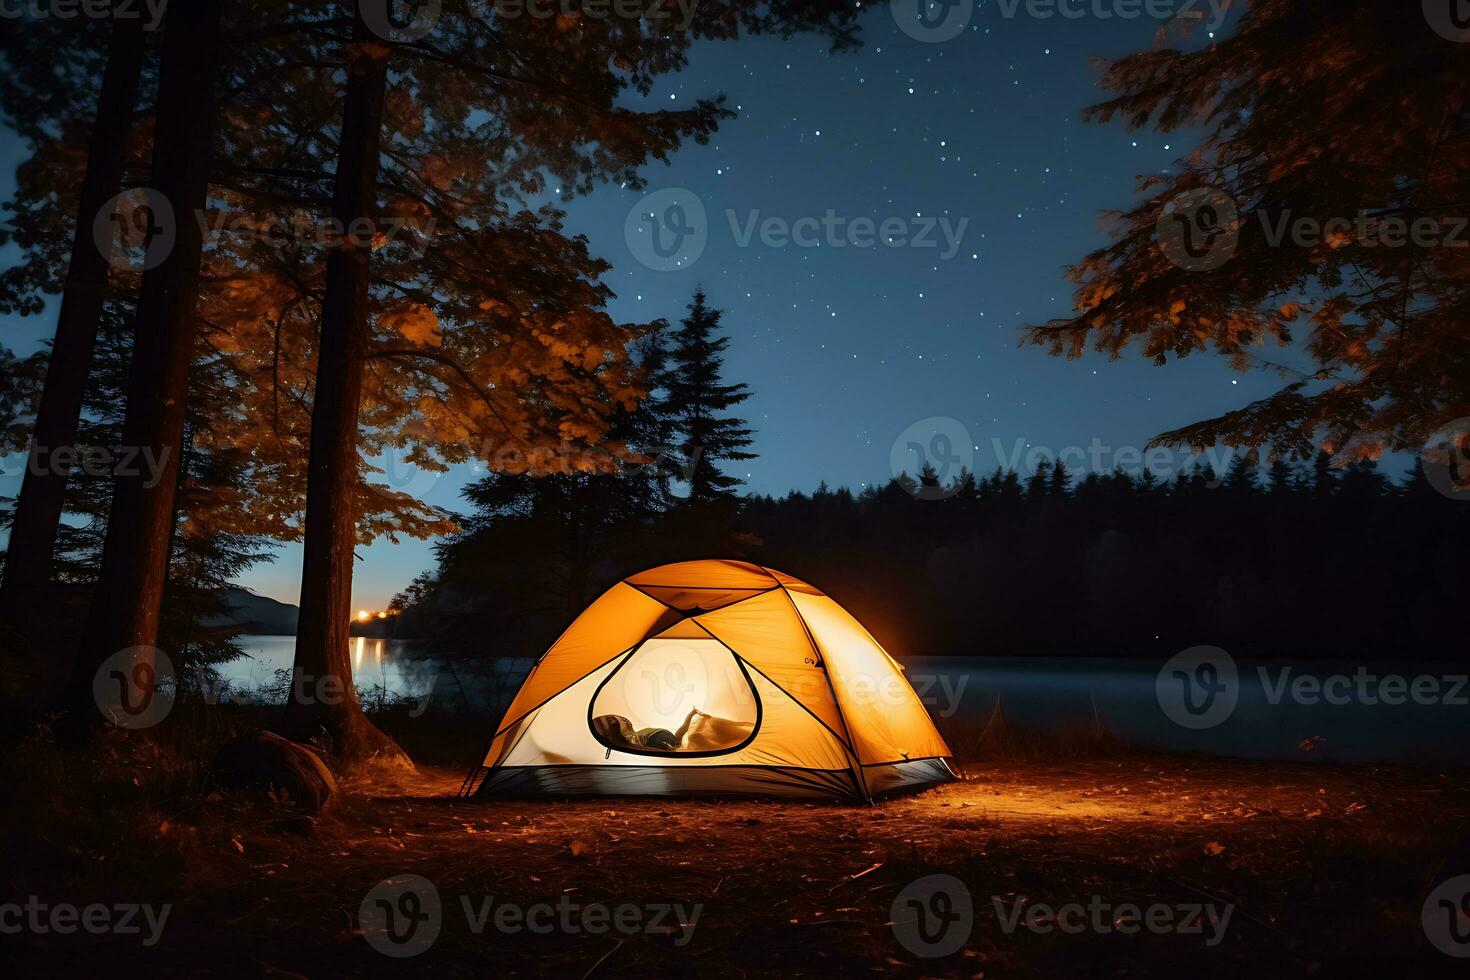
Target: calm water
1267,721
1038,694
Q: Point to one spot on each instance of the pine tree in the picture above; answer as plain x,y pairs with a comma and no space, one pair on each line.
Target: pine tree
1039,482
696,397
1324,477
1060,484
1240,476
1281,478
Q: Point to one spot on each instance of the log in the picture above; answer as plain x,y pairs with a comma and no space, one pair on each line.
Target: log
276,768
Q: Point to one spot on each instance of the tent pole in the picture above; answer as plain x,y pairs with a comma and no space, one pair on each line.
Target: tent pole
854,763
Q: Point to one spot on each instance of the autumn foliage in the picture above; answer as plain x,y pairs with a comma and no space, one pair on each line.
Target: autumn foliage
1310,110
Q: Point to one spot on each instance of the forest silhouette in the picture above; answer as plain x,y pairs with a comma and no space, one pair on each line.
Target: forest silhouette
1044,563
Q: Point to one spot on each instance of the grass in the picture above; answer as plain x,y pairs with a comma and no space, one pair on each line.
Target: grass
992,739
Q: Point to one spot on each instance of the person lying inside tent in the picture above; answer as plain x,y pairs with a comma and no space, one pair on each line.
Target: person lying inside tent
700,732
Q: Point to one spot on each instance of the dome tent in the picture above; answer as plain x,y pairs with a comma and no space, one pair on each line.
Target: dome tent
713,678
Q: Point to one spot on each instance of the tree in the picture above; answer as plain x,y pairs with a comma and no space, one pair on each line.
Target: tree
1258,572
697,396
1038,484
1061,480
1280,479
1209,260
218,530
1324,478
1240,476
549,91
21,379
39,507
126,606
332,467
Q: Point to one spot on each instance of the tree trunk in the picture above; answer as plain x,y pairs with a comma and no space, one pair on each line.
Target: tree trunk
323,698
38,509
125,609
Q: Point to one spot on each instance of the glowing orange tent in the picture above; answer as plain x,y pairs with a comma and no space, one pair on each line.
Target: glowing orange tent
713,677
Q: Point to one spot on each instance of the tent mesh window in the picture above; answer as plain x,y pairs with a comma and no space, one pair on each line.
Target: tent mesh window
684,696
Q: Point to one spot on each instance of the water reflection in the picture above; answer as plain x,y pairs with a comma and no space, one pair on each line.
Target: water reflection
1042,695
384,669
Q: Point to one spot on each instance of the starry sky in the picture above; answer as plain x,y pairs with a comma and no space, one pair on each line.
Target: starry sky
847,349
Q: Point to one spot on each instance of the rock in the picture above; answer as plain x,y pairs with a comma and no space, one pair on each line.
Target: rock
278,769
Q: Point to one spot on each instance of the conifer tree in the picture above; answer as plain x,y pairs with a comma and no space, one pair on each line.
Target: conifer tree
1240,476
697,397
1060,483
1280,477
1039,482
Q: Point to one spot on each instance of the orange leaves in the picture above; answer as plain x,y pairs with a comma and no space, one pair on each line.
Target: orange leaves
404,112
414,322
375,50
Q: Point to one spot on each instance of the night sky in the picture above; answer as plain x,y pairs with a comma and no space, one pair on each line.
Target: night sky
844,347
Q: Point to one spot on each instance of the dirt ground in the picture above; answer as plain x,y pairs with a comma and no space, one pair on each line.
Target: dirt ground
1308,871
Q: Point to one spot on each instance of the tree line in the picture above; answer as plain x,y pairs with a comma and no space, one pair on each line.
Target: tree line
1288,560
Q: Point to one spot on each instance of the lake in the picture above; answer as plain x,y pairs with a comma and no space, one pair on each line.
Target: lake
1346,708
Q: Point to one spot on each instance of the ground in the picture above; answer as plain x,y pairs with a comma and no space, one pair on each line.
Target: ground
1324,871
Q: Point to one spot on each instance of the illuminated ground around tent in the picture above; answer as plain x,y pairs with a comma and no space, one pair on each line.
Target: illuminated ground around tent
1326,870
